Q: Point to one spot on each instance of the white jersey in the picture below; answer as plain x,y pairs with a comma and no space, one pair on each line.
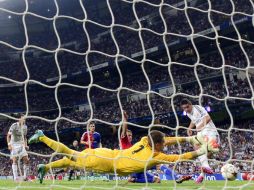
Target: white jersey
18,133
197,116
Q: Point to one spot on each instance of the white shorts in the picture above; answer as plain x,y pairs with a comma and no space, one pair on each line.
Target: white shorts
18,150
209,133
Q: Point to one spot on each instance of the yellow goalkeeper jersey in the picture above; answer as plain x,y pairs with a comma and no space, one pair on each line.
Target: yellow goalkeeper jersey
127,161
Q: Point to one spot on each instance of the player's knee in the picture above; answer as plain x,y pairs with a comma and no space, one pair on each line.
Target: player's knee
26,161
14,161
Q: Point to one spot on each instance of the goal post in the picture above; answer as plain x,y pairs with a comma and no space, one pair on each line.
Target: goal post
140,56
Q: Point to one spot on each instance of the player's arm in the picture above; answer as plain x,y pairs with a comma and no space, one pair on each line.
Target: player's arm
174,140
125,125
190,128
99,141
161,157
25,139
9,140
9,137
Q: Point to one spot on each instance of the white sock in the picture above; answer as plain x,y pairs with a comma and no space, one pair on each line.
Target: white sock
15,171
204,161
26,169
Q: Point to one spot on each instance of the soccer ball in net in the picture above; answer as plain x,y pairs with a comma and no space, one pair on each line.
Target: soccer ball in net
229,172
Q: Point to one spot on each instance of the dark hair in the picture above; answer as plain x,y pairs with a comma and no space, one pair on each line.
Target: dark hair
19,115
156,137
185,101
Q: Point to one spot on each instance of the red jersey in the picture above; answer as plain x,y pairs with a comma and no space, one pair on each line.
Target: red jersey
125,143
94,138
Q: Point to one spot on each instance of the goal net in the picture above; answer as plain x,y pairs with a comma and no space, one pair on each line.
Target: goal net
66,63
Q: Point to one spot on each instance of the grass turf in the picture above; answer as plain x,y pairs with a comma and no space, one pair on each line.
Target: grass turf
89,185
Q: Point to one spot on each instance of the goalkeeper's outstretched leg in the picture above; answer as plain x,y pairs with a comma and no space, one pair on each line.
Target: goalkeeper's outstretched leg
124,162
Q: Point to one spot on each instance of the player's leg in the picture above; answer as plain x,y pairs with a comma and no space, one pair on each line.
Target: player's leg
58,172
25,167
207,135
14,157
56,146
14,168
62,163
25,160
70,174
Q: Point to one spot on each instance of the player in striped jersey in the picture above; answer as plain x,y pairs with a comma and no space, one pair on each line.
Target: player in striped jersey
91,139
206,130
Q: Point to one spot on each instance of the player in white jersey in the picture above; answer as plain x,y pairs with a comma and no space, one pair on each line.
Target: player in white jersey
17,144
206,130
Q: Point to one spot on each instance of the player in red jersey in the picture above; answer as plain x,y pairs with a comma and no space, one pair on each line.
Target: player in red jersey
91,139
126,134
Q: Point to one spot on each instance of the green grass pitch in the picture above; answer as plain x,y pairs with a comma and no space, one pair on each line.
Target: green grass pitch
100,185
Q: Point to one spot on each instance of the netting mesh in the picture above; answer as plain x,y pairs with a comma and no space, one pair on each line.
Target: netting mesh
176,47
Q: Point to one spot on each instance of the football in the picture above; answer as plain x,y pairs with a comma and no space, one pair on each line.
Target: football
229,172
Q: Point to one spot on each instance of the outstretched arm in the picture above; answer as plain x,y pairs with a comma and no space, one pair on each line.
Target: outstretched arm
210,146
162,158
125,125
174,140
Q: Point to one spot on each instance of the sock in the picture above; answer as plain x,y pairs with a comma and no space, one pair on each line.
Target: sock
15,171
26,170
202,174
57,146
204,161
168,171
63,163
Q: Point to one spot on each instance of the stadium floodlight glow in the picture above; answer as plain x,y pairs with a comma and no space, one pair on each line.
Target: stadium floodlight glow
9,17
184,113
208,108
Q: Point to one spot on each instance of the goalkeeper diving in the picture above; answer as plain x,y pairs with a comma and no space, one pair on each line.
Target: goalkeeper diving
144,154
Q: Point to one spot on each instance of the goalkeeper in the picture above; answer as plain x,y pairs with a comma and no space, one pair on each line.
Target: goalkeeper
145,153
